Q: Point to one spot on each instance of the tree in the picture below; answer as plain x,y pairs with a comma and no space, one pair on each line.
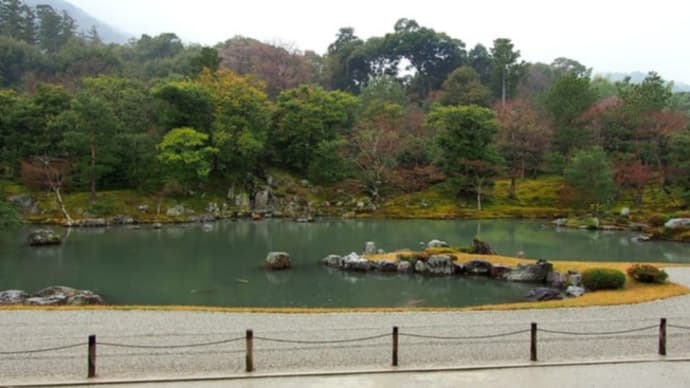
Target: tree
432,55
374,148
566,100
562,66
207,58
185,156
522,139
184,104
90,138
590,174
345,65
463,87
507,72
465,136
480,60
305,117
241,121
679,160
44,172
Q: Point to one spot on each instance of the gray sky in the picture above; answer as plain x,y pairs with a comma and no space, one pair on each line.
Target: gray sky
610,36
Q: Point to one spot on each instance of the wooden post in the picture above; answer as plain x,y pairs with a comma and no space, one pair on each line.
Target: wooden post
662,337
249,361
395,346
92,356
533,342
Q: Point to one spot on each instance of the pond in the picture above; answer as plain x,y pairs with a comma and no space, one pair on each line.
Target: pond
222,265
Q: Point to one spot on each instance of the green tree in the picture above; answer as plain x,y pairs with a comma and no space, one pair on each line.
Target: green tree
185,156
566,100
480,60
184,104
679,159
463,87
465,136
345,65
242,118
590,174
507,71
304,118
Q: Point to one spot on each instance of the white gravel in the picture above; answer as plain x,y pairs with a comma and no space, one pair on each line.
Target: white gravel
24,330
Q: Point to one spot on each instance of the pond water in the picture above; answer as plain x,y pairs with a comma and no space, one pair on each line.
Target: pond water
188,265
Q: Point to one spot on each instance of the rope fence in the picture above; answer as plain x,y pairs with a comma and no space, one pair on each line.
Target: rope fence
250,339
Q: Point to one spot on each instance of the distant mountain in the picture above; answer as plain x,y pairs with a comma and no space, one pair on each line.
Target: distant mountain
637,77
84,20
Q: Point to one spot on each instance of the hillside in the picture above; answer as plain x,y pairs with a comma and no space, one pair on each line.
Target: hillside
108,33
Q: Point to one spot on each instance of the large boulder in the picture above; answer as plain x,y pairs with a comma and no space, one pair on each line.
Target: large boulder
478,267
498,271
574,291
387,266
122,220
440,265
419,266
370,248
42,237
61,295
530,273
263,199
277,261
354,262
405,267
543,294
175,211
677,223
480,247
13,297
331,260
24,202
437,244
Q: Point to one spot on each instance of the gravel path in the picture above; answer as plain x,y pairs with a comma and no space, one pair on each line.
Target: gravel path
23,330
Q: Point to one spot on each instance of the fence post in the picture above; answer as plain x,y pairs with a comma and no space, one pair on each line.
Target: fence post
395,346
533,342
92,356
662,337
249,361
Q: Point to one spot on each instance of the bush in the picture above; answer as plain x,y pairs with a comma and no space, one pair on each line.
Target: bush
657,220
646,273
412,256
603,279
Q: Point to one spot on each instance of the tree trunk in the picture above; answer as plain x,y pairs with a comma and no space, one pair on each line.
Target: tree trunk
93,172
479,196
513,188
63,209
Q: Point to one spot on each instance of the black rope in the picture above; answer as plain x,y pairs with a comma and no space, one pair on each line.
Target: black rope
679,327
598,333
373,337
465,338
44,350
170,346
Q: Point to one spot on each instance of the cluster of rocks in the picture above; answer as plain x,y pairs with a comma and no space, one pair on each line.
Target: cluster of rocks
555,284
51,296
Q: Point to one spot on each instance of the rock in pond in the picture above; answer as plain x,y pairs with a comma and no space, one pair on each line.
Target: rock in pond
93,223
498,271
370,248
354,262
542,294
480,247
574,291
530,273
42,237
478,267
13,297
405,267
331,261
437,244
677,223
387,266
277,261
440,265
61,295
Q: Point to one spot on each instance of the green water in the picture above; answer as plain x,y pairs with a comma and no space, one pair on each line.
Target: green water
187,265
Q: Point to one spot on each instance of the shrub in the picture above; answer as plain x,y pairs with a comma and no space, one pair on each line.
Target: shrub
646,273
657,220
603,279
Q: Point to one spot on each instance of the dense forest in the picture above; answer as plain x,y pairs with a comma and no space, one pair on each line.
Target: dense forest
391,114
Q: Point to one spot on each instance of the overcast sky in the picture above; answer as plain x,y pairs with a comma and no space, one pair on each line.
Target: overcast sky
610,36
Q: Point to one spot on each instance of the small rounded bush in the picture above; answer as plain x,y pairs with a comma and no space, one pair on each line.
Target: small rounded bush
646,273
657,220
603,279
